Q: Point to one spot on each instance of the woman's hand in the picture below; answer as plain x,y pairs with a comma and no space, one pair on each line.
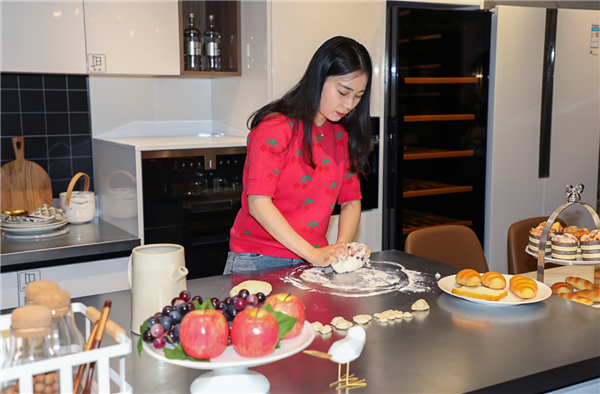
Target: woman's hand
325,256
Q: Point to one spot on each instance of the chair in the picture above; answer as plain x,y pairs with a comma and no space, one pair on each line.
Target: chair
518,237
453,245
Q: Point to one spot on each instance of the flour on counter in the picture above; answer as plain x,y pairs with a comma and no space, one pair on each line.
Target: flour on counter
379,277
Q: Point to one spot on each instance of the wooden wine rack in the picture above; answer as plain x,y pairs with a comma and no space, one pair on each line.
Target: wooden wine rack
417,220
416,188
412,153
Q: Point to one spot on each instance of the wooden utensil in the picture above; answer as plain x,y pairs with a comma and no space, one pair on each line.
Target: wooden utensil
24,184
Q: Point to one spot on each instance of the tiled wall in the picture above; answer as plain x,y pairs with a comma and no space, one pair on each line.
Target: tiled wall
52,112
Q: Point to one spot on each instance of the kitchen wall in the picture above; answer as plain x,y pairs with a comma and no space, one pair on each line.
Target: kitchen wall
52,112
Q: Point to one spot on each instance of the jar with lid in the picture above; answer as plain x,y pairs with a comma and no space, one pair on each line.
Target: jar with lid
33,288
66,338
31,341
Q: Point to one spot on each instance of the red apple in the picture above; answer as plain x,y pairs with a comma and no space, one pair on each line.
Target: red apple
254,332
204,333
291,306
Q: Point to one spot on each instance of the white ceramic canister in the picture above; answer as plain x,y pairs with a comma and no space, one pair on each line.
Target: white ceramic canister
80,207
157,274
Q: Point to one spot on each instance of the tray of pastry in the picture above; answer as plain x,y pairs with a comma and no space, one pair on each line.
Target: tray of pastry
549,259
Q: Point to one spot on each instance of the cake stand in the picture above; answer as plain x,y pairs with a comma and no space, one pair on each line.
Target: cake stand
229,372
573,197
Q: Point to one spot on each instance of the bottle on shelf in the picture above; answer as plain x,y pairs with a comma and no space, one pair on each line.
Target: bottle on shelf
212,46
192,47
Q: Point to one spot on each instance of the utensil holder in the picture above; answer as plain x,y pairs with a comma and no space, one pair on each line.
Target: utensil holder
80,207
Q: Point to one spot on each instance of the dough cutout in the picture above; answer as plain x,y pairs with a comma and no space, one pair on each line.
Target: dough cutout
407,315
320,328
420,305
362,319
390,314
341,323
253,287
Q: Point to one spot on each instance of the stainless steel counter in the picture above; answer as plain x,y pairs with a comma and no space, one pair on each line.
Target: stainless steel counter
94,238
456,347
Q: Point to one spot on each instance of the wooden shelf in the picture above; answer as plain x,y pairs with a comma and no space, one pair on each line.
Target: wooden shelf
437,118
426,153
439,80
415,188
417,220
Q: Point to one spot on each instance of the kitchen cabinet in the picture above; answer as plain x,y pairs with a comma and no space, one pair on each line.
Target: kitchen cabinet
43,37
132,37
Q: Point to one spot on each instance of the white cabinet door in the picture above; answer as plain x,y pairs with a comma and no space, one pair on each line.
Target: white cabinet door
43,37
132,37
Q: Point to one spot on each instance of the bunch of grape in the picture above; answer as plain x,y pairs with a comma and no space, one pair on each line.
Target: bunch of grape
166,324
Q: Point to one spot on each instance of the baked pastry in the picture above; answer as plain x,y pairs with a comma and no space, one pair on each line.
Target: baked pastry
535,234
592,294
523,287
555,228
561,288
481,292
576,298
468,277
579,283
564,246
493,280
590,246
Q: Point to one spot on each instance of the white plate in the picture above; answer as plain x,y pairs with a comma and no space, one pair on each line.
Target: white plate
39,229
448,283
21,225
230,359
62,231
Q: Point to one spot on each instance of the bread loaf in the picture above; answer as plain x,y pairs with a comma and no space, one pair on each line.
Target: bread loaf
493,280
561,288
468,277
523,287
576,298
579,283
591,294
480,292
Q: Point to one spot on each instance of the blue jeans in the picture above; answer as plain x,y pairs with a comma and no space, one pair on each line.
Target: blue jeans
243,262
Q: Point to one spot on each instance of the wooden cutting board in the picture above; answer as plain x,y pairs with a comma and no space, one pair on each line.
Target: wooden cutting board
24,184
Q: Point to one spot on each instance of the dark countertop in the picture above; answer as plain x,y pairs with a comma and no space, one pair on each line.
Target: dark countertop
456,347
94,238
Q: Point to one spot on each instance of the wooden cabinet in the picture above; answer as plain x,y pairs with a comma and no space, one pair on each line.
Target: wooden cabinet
140,38
227,23
43,37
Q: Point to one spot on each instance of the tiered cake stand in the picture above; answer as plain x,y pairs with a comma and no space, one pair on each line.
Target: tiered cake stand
573,198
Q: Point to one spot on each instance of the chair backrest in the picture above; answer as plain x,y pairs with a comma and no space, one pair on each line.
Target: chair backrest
518,237
453,245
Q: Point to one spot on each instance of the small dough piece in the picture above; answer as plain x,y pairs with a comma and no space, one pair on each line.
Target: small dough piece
420,305
390,314
341,323
407,315
253,287
323,329
362,319
347,265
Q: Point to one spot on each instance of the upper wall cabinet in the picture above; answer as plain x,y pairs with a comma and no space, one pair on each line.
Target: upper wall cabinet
132,37
43,37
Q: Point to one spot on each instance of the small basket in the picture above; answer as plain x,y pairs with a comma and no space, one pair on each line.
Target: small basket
65,364
80,207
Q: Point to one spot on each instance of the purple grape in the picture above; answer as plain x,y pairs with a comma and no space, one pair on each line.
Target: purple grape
240,304
214,301
147,336
179,302
231,312
197,298
252,299
244,293
173,337
173,300
175,316
221,305
166,310
157,330
184,308
185,295
166,322
261,297
176,328
191,304
227,301
152,321
159,343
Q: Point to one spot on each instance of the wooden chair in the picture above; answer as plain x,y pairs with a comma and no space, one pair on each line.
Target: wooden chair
518,237
453,245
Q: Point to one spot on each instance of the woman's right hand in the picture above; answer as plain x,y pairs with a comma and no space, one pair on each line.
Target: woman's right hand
325,256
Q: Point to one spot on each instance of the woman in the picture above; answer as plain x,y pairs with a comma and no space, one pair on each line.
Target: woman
305,153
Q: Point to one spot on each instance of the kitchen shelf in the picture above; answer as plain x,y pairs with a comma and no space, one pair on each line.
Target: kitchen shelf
412,153
417,220
227,18
438,80
416,188
436,118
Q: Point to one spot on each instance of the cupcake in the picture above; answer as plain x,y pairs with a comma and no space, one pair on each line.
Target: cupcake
576,231
555,228
535,235
590,246
564,246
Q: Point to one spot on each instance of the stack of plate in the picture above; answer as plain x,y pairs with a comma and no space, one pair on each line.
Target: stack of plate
47,227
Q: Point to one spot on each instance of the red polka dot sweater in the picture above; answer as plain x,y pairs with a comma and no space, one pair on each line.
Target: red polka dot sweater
304,196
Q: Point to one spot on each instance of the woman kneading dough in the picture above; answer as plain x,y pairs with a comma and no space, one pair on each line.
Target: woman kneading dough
306,152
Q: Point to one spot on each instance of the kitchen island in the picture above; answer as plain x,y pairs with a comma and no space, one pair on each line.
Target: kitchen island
456,347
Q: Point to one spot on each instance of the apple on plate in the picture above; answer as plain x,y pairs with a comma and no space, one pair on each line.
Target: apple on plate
291,306
204,333
254,332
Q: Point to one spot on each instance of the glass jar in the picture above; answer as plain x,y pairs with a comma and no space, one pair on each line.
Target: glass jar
31,341
66,338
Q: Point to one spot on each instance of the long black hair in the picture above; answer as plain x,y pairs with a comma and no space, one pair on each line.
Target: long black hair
337,56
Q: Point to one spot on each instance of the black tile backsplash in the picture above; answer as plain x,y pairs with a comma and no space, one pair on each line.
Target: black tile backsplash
52,113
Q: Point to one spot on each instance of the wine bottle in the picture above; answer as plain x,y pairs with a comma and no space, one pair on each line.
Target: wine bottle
192,47
212,46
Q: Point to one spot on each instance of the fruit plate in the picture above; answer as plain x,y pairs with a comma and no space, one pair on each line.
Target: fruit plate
448,283
229,371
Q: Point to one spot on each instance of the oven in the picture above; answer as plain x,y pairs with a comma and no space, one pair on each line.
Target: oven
191,198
